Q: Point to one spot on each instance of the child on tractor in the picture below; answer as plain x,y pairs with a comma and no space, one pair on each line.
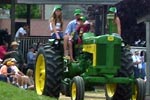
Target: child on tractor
69,33
56,23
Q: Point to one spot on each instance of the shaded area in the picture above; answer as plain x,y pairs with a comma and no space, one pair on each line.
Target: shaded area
4,36
129,11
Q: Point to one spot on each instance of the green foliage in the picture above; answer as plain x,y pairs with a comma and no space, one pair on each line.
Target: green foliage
21,10
9,92
5,6
35,11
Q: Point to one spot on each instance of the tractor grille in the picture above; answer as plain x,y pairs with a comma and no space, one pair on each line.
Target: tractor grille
101,54
106,54
117,55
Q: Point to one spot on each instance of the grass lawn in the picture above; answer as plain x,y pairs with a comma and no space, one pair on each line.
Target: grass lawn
10,92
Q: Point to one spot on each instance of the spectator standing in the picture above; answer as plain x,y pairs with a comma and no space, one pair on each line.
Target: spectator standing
22,31
137,64
69,33
56,23
143,70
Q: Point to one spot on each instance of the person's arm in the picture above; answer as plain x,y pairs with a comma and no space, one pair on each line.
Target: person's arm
3,70
16,70
5,53
135,60
54,29
62,27
69,29
22,32
10,52
11,73
20,73
118,25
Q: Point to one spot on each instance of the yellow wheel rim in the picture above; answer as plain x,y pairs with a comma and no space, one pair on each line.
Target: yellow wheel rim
134,96
111,89
74,91
40,74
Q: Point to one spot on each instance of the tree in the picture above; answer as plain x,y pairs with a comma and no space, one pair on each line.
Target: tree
21,10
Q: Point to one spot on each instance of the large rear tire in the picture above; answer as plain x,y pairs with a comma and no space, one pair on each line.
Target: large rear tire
48,71
77,88
122,91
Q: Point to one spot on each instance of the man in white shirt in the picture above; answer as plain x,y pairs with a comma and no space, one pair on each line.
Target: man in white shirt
137,64
22,31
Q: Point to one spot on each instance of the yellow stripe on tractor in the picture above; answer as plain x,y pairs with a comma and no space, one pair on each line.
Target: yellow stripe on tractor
91,48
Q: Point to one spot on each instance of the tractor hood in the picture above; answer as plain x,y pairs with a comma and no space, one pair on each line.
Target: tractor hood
106,46
89,38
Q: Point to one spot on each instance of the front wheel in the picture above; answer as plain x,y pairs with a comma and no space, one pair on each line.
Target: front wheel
110,90
139,90
77,88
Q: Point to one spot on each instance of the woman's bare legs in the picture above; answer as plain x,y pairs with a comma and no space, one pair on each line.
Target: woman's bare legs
71,50
66,38
68,44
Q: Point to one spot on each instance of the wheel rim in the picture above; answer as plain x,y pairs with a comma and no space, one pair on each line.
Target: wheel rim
74,91
111,88
40,74
134,96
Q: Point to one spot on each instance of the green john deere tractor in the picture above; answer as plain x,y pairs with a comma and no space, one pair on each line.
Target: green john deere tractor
99,60
102,59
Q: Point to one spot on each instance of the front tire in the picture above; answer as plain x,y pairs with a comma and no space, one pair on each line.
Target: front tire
77,88
48,71
139,90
